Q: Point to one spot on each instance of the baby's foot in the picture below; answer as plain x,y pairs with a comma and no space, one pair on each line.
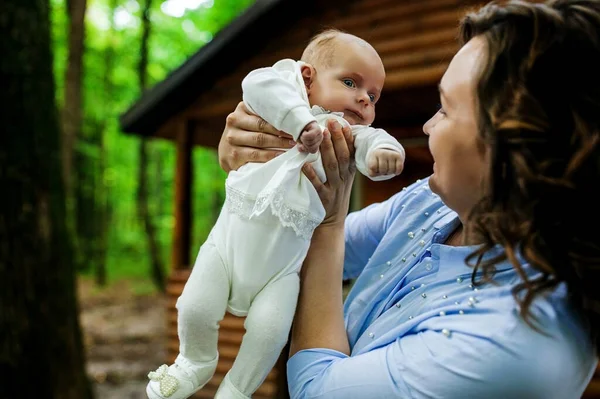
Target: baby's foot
179,380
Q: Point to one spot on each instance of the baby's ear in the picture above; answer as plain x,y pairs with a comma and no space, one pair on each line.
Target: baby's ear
308,74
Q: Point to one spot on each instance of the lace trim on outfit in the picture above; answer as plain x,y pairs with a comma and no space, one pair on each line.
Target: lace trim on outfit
245,206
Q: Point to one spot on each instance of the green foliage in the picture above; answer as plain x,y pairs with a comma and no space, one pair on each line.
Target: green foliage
108,90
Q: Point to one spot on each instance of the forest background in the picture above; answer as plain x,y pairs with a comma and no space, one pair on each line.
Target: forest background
86,211
119,184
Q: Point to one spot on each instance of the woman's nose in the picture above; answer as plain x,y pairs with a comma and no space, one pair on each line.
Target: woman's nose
427,126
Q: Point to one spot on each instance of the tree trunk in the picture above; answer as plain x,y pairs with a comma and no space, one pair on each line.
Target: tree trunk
158,192
41,351
71,115
72,123
143,208
102,197
97,207
86,214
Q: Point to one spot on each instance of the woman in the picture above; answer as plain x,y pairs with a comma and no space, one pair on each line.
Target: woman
480,281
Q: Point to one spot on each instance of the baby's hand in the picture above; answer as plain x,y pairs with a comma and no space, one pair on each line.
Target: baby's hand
310,138
383,162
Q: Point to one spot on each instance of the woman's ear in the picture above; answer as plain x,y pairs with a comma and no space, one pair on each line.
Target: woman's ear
308,74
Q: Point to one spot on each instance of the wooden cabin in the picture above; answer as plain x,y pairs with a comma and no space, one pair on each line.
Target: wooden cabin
416,40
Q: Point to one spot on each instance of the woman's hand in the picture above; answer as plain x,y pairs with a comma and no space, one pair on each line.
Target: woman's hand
337,153
319,317
248,138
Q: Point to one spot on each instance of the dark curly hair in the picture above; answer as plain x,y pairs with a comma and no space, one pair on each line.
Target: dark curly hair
539,111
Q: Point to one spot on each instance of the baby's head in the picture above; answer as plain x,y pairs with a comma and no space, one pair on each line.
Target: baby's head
344,74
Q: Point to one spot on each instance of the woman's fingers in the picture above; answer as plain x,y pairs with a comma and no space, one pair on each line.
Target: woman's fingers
247,154
248,138
243,119
328,156
347,130
310,173
339,169
247,130
260,140
342,152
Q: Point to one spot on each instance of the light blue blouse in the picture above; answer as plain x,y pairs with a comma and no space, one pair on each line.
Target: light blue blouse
418,329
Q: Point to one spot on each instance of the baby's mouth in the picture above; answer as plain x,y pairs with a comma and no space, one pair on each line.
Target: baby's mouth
355,114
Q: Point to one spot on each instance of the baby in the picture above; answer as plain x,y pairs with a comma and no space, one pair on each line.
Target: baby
250,262
339,72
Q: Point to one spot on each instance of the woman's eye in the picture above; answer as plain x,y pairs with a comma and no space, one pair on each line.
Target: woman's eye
349,82
440,109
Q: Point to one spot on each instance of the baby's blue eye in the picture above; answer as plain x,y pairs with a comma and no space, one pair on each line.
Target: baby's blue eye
349,82
372,97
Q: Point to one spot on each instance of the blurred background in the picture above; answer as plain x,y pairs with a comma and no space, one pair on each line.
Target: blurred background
118,188
124,47
121,186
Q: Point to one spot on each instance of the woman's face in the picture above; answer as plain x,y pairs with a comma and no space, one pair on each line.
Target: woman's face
460,158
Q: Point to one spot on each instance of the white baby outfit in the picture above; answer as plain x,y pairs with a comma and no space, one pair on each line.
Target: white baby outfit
250,262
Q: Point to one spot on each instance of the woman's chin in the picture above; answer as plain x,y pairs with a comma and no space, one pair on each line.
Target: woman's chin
433,183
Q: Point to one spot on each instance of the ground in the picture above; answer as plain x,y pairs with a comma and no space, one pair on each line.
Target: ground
125,337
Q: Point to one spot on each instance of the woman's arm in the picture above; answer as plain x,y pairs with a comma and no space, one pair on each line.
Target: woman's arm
319,320
494,356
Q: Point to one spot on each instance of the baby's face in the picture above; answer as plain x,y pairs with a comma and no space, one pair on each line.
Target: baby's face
352,84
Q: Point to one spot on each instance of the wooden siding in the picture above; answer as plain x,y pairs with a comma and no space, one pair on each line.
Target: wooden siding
416,40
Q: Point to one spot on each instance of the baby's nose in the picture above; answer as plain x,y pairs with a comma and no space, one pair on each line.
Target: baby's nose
364,98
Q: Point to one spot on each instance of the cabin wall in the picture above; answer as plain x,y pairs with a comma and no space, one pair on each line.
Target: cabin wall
416,40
